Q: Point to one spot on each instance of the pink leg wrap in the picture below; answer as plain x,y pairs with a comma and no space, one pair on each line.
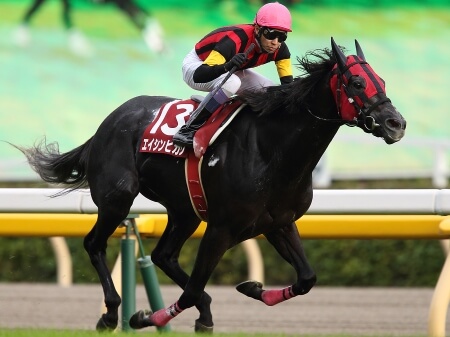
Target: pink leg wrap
163,316
272,297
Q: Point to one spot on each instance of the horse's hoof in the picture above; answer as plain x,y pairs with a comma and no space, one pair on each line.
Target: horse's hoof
140,319
252,289
200,328
102,325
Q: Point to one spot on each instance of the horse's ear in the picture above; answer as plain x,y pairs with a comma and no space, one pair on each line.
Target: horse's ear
339,55
359,51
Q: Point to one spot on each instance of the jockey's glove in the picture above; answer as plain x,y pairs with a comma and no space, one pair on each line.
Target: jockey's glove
237,60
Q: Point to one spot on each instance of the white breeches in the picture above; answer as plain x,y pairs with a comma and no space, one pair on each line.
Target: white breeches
239,81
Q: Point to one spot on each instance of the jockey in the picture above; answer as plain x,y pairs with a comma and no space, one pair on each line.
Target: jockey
205,66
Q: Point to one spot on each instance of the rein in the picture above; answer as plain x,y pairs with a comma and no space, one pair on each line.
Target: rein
329,120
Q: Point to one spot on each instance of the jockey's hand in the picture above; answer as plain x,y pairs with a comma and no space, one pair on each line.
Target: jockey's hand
236,61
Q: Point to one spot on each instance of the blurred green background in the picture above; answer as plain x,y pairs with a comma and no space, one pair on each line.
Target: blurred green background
47,90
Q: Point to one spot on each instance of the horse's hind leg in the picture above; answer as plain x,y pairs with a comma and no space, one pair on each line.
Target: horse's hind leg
288,244
114,204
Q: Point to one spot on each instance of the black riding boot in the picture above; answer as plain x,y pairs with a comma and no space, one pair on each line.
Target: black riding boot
185,135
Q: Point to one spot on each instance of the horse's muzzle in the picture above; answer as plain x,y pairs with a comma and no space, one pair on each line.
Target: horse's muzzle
392,130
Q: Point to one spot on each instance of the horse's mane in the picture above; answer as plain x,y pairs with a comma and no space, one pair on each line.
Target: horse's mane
313,66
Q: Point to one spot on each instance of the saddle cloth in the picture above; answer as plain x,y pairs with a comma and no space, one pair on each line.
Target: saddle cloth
158,135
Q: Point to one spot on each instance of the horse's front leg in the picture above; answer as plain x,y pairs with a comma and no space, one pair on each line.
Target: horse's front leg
212,247
95,245
287,242
165,256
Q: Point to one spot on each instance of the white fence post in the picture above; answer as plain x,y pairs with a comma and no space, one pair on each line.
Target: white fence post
63,261
440,168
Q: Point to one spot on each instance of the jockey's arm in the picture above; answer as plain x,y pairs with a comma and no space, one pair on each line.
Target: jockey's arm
284,69
212,67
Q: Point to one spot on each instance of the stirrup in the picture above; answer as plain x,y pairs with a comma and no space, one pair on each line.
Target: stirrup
184,137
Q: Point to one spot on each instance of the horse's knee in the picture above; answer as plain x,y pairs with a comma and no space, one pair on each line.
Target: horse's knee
160,259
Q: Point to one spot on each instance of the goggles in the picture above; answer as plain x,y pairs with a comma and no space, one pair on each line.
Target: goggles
272,34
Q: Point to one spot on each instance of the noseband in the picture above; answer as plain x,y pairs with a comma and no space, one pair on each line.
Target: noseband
363,118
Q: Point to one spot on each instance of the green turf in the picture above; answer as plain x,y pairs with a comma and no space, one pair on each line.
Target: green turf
80,333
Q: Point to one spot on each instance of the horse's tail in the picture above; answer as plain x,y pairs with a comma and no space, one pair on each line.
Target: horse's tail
68,168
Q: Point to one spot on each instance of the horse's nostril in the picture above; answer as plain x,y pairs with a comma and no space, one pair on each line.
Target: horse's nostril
393,123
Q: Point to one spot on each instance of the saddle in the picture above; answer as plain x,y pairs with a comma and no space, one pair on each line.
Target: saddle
157,138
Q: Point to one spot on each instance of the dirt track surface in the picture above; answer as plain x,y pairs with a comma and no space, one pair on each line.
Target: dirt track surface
356,311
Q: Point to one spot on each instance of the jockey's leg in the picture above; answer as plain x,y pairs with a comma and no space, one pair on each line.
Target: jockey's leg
251,80
211,103
185,135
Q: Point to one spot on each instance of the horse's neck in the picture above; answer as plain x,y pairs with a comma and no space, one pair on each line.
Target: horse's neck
298,142
316,143
302,127
320,127
311,143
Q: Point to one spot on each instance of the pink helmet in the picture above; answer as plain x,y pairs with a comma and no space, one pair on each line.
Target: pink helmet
274,15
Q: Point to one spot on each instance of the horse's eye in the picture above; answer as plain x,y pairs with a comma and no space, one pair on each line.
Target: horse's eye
357,85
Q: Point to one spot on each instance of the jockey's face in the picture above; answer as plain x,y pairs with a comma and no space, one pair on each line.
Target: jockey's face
270,42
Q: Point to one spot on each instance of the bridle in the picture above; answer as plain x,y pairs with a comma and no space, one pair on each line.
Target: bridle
363,118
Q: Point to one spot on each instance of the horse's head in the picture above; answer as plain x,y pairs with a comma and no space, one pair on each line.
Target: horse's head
361,99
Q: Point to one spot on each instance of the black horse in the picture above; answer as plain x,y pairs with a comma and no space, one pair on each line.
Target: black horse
257,176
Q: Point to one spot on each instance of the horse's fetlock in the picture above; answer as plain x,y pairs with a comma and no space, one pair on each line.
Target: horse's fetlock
304,286
205,299
113,303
